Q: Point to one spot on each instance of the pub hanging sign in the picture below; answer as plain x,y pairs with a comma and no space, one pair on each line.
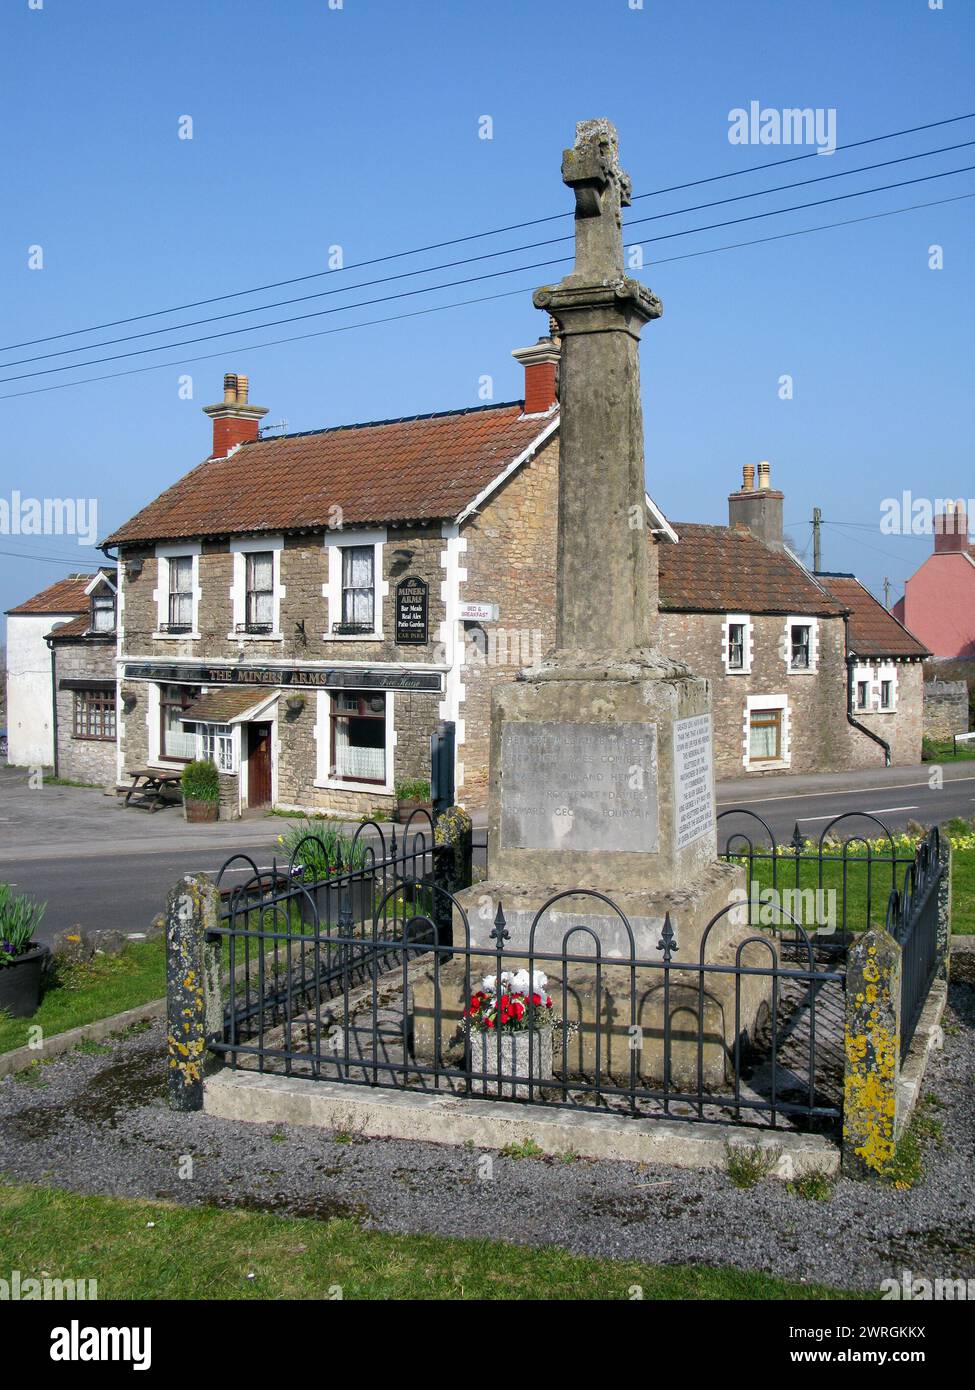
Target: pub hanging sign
412,611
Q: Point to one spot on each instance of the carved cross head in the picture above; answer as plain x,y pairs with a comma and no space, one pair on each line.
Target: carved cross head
592,170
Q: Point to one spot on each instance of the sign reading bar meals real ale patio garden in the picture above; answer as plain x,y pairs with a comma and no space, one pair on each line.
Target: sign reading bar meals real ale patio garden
301,676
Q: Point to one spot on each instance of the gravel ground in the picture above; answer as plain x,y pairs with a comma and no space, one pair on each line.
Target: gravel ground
97,1122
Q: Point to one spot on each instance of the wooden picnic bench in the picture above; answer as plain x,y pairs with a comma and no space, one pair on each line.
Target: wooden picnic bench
149,787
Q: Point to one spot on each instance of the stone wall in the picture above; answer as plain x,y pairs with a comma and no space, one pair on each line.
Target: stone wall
901,728
304,576
817,730
510,560
91,760
945,708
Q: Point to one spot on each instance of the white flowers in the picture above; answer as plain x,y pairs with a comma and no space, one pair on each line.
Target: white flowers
517,983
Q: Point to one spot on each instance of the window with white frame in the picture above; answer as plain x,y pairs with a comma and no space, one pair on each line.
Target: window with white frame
737,638
358,588
801,642
765,736
862,694
180,607
103,611
355,590
259,591
886,694
767,732
177,741
358,736
217,745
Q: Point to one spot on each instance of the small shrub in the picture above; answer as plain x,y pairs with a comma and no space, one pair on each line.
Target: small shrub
413,789
749,1164
523,1148
321,849
201,781
20,917
814,1187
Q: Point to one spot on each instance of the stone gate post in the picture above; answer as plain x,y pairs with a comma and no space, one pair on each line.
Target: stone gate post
194,1005
872,1048
452,867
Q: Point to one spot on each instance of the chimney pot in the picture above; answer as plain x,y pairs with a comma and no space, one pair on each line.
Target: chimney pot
234,420
758,510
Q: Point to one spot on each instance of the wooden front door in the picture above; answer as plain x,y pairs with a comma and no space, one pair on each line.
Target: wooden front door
258,765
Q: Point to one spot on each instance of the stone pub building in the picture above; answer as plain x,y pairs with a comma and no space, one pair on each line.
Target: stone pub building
299,608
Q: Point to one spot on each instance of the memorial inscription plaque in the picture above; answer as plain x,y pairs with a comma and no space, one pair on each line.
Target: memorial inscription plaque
579,787
693,779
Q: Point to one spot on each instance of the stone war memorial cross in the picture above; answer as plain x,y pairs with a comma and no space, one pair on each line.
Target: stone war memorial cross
601,756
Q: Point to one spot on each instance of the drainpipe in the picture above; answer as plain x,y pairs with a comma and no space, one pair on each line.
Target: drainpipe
54,702
849,696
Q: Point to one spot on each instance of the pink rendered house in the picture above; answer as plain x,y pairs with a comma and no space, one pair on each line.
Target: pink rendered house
939,600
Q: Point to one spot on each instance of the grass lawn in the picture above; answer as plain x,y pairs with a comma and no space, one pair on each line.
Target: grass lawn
860,876
154,1250
944,751
104,986
963,892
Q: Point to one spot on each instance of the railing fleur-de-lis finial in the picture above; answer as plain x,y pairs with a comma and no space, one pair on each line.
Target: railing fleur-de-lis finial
668,940
798,839
500,934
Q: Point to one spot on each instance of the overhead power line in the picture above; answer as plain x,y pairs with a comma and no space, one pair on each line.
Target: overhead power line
470,279
476,236
469,260
463,303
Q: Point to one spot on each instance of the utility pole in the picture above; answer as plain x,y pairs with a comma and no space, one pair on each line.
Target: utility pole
817,525
887,593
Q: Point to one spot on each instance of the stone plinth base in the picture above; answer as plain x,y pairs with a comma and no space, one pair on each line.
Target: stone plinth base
595,1037
599,1033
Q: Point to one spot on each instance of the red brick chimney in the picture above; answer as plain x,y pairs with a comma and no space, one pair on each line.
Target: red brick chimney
234,421
541,364
951,529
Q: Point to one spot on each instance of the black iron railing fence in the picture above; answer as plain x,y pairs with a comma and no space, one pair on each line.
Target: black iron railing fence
913,920
364,972
850,876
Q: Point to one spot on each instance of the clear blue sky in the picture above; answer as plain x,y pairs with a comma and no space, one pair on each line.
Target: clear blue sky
359,127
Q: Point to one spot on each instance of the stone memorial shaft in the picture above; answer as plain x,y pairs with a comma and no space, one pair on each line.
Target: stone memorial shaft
603,602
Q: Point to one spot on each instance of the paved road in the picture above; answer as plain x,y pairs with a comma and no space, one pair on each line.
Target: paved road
100,867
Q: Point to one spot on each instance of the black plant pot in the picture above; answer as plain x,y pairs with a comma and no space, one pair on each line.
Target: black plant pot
331,898
20,982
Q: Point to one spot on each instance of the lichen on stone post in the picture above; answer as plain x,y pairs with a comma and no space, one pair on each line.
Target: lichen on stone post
452,867
872,1052
194,1009
944,911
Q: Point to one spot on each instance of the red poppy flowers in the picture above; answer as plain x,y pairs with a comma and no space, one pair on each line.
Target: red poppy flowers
520,1006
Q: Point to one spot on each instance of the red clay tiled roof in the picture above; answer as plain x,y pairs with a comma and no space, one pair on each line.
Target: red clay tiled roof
725,569
75,627
220,706
425,468
63,596
873,631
